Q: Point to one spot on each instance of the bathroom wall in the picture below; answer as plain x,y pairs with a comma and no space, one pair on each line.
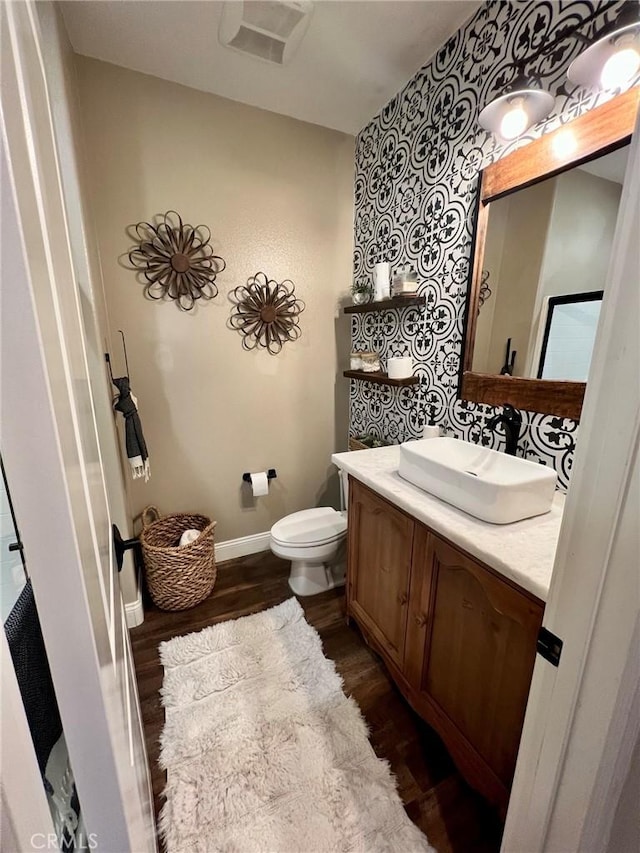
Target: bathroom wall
493,249
625,828
277,195
514,276
417,165
578,249
563,228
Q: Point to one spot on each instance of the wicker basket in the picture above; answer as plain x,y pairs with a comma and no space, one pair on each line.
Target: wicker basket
177,577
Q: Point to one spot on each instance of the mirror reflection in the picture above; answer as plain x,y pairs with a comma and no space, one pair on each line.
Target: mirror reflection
546,258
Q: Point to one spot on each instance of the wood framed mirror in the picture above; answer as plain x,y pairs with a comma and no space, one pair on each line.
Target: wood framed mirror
532,247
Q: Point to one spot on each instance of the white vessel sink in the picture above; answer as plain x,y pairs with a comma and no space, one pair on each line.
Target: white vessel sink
485,483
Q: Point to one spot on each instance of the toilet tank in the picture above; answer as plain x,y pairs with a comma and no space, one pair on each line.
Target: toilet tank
344,490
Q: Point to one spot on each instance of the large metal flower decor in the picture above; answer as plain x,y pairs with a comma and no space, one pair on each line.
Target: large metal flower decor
266,313
176,260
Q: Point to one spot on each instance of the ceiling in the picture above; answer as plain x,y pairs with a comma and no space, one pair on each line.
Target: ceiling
353,59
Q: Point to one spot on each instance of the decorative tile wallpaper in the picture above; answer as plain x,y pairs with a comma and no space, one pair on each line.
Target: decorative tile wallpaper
417,165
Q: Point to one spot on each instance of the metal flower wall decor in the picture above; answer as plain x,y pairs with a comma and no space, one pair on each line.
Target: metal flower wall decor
176,260
266,313
485,290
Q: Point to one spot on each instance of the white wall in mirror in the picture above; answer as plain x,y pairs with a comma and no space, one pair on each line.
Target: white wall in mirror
570,332
546,241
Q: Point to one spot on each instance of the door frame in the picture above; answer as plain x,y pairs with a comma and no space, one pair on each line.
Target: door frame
42,444
58,58
583,718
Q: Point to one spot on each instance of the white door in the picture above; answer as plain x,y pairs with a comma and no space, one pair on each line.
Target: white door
53,459
583,717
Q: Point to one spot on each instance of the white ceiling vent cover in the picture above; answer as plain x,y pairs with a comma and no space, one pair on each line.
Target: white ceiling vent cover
267,29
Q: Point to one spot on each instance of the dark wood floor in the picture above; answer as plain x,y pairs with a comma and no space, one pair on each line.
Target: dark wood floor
436,798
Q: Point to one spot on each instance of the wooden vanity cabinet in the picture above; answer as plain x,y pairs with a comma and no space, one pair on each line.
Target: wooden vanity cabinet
381,542
458,638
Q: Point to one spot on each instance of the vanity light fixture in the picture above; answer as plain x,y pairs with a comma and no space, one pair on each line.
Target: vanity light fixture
614,59
564,143
611,62
513,113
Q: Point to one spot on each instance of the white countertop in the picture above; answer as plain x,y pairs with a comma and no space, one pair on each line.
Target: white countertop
523,551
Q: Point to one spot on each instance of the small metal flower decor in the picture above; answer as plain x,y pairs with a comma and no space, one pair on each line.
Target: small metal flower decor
266,313
176,260
485,290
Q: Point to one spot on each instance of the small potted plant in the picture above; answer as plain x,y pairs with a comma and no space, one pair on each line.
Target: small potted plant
361,292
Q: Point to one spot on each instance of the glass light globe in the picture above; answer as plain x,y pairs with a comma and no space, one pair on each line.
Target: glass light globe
515,121
620,68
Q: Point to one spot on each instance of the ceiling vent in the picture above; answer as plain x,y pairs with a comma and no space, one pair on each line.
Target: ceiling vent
267,29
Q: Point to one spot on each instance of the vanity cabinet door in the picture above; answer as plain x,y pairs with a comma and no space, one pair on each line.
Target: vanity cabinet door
379,570
479,654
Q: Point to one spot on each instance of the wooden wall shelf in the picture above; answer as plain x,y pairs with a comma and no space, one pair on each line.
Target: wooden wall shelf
385,304
380,378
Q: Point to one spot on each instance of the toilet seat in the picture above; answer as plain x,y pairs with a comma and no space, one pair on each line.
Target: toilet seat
310,528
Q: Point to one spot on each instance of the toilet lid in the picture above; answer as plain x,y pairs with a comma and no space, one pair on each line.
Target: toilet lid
310,526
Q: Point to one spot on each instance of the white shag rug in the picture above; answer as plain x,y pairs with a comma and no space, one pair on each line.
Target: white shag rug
264,753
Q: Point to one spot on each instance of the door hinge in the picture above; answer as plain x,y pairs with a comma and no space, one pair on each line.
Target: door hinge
549,646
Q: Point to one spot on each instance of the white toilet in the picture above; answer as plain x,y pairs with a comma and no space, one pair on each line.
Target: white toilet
314,540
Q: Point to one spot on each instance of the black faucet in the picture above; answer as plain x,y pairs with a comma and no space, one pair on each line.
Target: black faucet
511,419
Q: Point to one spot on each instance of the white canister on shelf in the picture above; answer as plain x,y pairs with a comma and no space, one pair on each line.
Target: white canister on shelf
405,283
400,367
382,280
431,429
370,362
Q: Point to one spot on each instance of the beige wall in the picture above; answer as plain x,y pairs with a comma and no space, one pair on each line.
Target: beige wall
625,829
494,247
578,249
538,246
513,255
278,196
583,221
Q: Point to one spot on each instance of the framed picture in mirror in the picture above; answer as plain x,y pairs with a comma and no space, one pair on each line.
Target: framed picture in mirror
569,326
542,246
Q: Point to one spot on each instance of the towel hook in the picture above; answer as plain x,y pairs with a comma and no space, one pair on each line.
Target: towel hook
107,358
126,360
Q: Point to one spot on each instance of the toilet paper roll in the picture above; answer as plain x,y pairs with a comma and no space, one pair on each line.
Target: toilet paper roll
382,280
259,484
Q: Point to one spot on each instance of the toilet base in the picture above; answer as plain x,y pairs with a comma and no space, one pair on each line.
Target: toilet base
310,578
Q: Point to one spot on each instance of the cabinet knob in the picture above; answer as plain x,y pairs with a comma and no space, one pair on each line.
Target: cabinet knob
420,620
403,598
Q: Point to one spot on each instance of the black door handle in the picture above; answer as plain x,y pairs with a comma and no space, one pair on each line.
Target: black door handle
16,546
121,546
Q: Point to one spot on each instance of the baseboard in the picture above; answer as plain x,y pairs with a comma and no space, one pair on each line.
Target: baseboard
233,548
134,611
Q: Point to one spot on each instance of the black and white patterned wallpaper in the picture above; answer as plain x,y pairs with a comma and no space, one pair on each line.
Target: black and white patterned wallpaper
417,165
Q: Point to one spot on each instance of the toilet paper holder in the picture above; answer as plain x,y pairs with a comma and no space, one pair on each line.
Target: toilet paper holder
271,475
